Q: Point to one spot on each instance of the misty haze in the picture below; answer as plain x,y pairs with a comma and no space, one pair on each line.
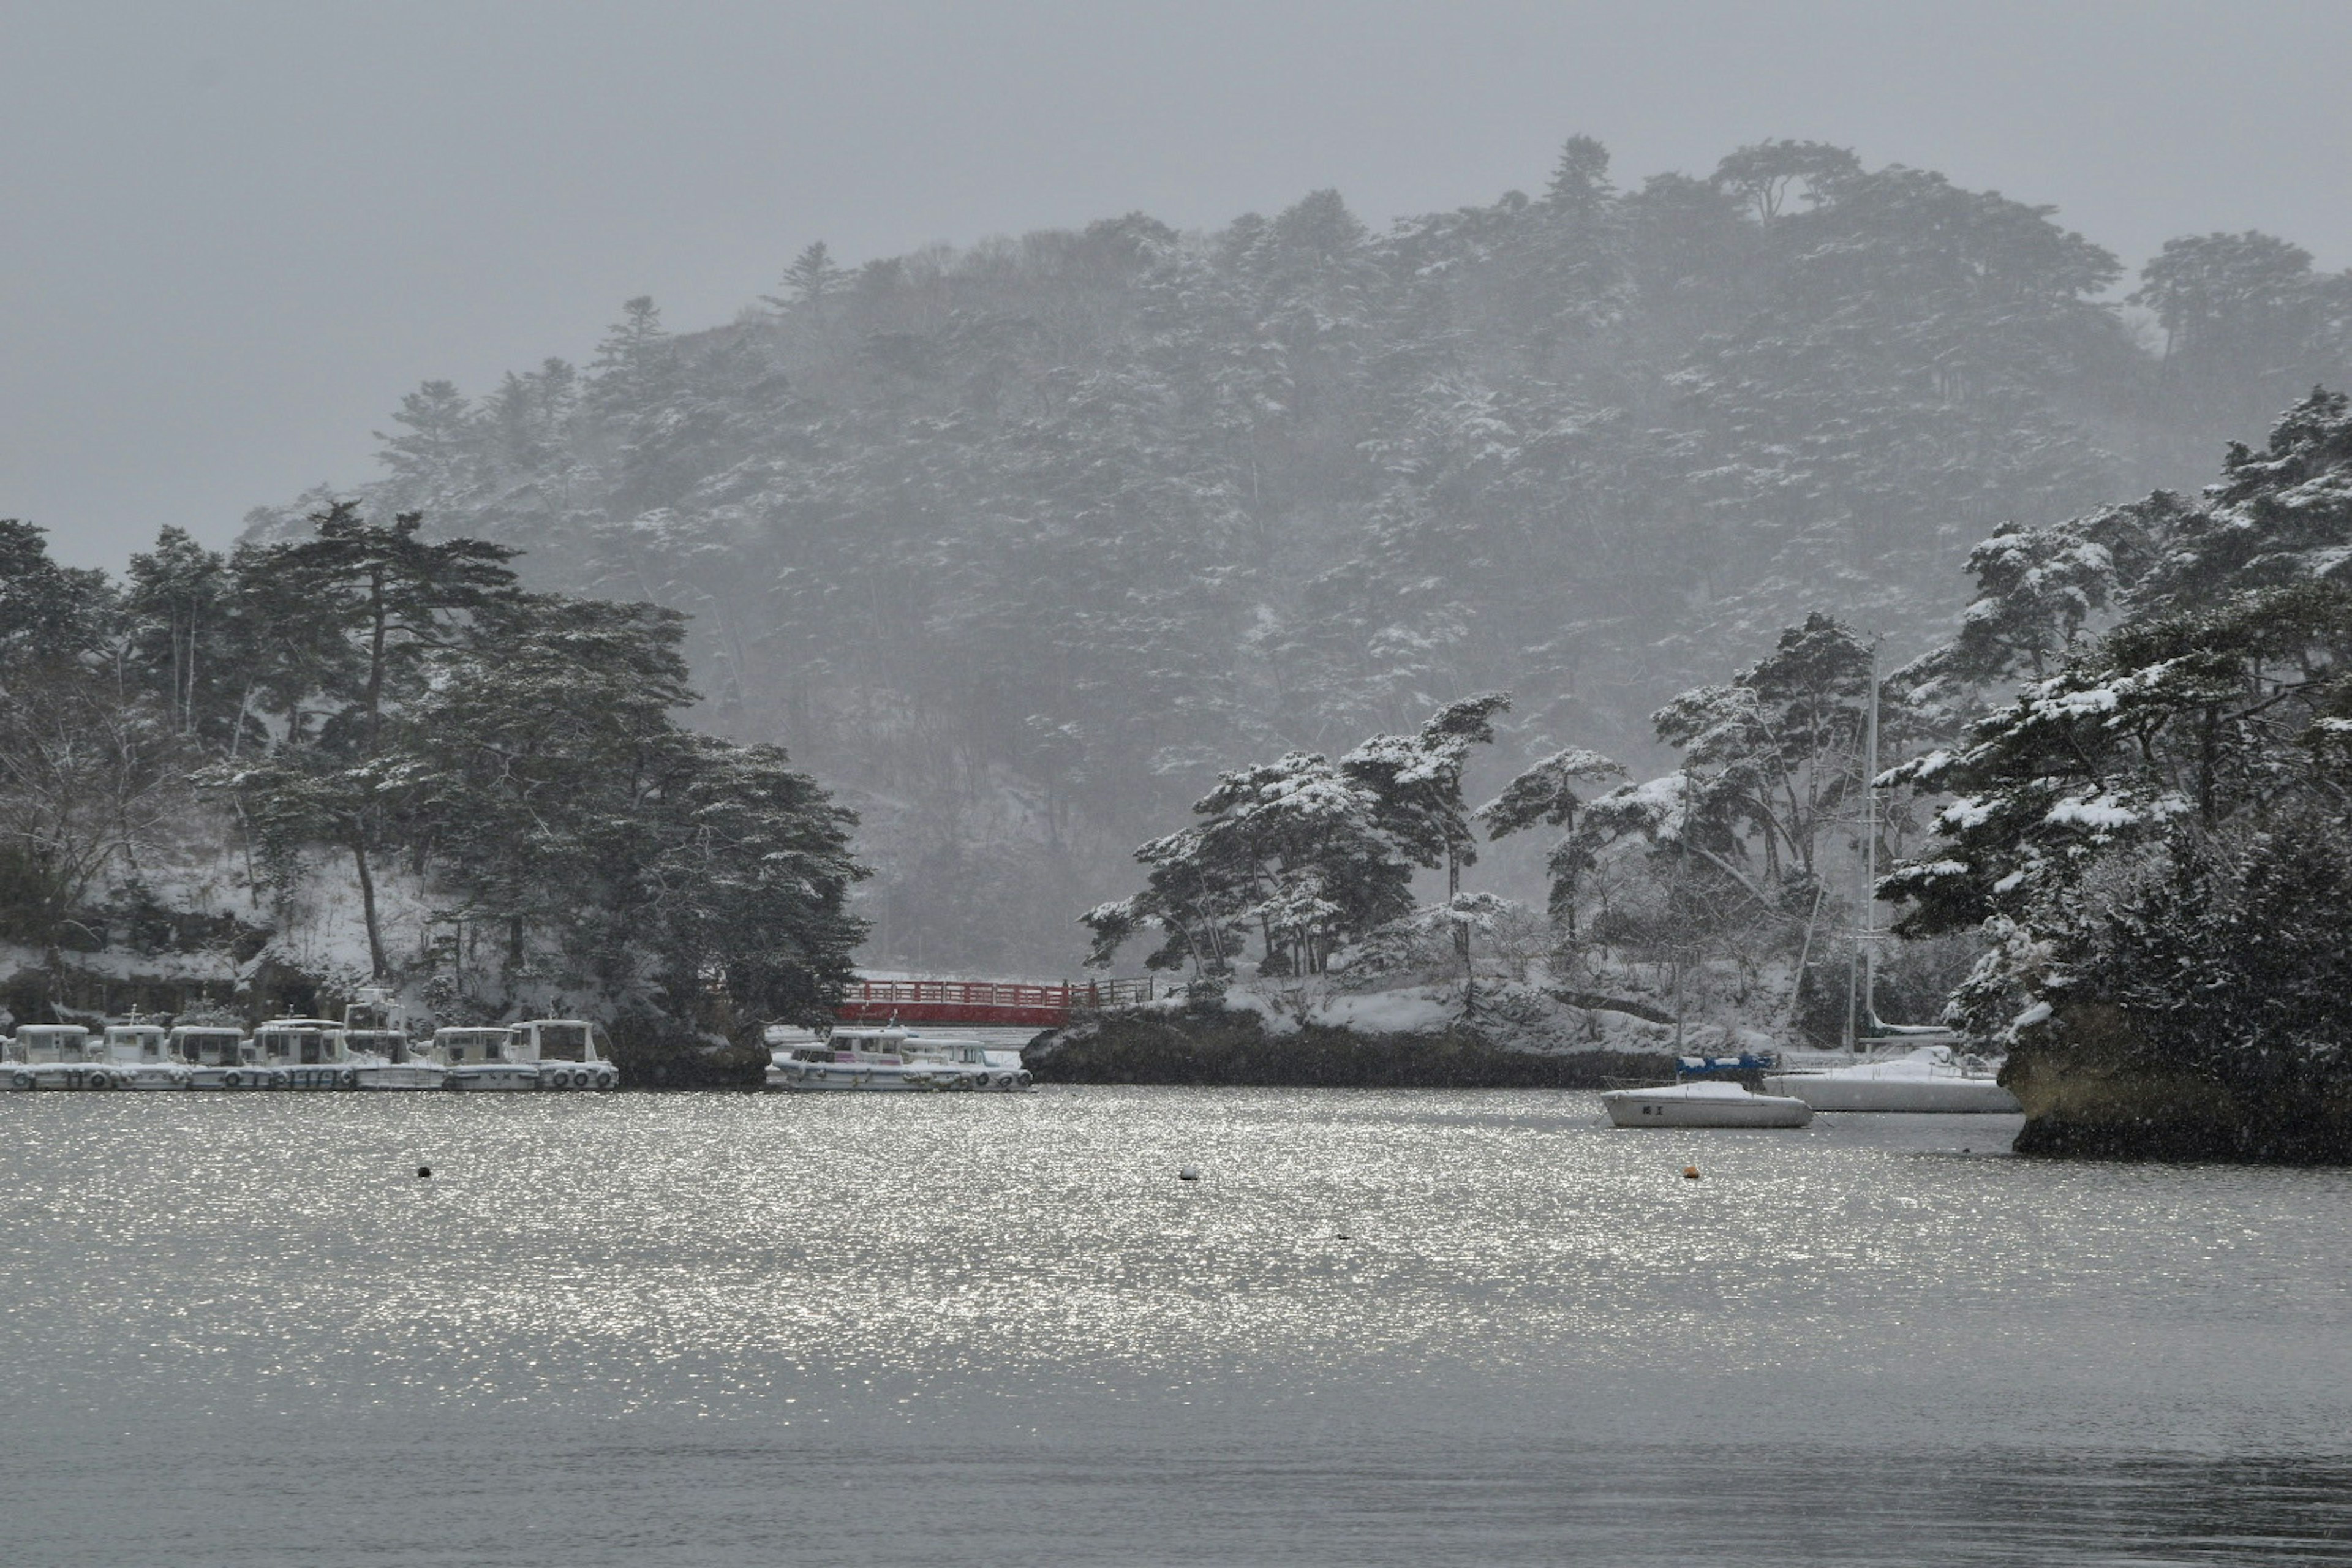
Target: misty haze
1475,796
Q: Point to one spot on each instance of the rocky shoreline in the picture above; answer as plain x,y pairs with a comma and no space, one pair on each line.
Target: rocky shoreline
2091,1089
1209,1045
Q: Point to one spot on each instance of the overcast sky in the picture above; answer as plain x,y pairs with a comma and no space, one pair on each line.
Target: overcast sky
234,234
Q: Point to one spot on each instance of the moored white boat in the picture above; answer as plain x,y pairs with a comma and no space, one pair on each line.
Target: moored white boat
893,1060
376,1042
304,1054
209,1051
143,1050
1703,1105
60,1057
1929,1078
565,1052
482,1059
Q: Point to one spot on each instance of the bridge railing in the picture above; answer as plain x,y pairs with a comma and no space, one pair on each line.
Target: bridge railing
979,1000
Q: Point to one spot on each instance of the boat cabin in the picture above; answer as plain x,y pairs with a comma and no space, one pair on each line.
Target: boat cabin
893,1043
375,1026
556,1040
392,1045
206,1045
950,1049
883,1044
53,1043
455,1047
298,1042
133,1043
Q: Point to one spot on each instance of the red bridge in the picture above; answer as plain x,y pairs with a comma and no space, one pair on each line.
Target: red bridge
982,1001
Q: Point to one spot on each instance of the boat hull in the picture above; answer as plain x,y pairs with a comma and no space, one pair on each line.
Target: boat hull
860,1078
89,1076
307,1079
890,1077
1945,1096
492,1077
574,1078
1672,1107
399,1077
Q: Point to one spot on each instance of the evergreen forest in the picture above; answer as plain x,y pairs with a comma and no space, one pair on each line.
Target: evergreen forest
249,784
1019,545
1023,547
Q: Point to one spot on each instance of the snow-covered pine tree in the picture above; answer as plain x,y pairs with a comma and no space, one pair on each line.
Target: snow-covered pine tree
2185,770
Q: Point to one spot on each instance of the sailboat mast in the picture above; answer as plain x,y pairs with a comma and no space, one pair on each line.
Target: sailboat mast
1861,963
1870,856
1682,897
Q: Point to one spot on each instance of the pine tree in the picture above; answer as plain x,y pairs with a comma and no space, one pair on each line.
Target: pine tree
2152,825
809,283
386,595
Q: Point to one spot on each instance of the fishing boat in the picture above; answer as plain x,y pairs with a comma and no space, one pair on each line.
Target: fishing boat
1926,1078
565,1052
304,1054
376,1043
482,1059
890,1060
142,1050
209,1051
60,1057
1703,1104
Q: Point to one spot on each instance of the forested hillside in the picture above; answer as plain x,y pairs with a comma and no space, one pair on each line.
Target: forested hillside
1017,545
250,784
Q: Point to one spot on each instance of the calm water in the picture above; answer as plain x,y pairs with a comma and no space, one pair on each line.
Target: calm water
1385,1328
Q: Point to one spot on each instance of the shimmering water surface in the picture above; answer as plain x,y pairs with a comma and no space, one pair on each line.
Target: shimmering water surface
1383,1328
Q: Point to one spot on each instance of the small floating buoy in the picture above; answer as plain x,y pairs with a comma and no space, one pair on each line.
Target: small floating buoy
423,1171
1690,1172
1189,1173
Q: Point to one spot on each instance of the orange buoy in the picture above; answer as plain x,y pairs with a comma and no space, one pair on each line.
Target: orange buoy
1690,1172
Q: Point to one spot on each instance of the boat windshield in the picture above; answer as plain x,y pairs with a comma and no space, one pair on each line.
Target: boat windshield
869,1042
301,1047
392,1045
565,1041
206,1048
471,1044
53,1042
135,1042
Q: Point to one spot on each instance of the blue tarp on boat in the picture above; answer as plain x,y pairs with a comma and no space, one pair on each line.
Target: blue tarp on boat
1724,1066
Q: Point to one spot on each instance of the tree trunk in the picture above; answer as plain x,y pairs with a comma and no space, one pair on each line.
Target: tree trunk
376,635
1453,892
378,967
2209,757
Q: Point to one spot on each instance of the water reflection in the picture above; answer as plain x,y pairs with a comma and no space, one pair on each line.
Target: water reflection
1383,1327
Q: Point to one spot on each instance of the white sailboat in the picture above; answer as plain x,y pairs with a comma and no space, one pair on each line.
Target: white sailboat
1929,1078
1889,1068
1703,1104
1697,1101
